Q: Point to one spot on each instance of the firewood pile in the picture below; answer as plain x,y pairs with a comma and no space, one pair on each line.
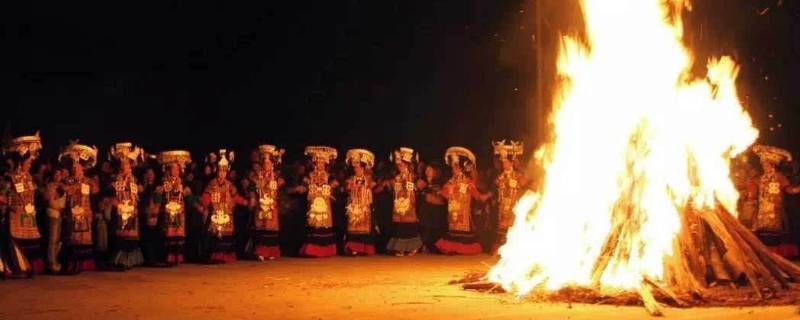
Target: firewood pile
716,261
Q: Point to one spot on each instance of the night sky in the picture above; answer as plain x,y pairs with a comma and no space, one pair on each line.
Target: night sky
428,74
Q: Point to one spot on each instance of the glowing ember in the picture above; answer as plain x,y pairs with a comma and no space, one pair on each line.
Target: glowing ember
636,140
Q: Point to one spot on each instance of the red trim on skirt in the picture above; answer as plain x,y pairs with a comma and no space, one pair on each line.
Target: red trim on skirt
786,250
82,265
359,248
452,247
37,265
267,251
496,248
175,258
318,251
224,257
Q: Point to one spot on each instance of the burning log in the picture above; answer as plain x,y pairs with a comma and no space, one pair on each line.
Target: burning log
685,268
695,266
679,302
485,286
735,255
619,223
650,304
757,275
633,203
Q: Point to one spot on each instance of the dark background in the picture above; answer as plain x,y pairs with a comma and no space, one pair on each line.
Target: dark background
427,74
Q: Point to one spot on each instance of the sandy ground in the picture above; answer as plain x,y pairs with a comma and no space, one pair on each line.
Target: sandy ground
291,288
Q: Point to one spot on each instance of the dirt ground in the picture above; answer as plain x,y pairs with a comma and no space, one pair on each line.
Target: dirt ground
379,287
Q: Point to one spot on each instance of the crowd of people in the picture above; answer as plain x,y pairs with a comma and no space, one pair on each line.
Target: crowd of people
78,213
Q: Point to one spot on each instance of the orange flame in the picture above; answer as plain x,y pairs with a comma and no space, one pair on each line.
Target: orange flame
634,136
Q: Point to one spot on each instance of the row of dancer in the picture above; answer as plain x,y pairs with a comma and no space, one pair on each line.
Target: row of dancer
90,222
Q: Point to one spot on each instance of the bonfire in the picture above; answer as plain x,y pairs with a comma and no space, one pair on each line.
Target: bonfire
636,199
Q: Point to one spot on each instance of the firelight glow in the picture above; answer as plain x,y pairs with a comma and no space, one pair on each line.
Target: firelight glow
635,136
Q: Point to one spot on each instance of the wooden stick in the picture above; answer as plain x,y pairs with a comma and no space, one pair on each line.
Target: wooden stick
680,273
754,268
760,255
609,246
685,270
482,285
717,264
792,270
691,236
650,304
668,292
740,248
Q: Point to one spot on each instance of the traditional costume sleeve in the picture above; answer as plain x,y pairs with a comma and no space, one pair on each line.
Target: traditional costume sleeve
473,191
237,198
281,182
4,191
369,188
447,191
332,181
3,202
784,181
94,185
3,196
240,200
205,199
752,186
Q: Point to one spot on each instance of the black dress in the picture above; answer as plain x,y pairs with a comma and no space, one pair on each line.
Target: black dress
432,217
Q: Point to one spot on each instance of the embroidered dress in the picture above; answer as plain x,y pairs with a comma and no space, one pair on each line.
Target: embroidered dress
126,214
359,216
171,198
22,224
266,223
79,247
320,240
219,199
405,225
460,238
508,184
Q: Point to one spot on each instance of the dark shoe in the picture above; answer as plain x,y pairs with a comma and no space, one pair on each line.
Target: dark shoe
157,265
69,272
110,268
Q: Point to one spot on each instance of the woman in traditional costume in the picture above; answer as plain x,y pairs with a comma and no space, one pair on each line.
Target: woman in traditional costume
170,200
320,240
359,239
124,200
21,238
219,200
770,223
264,203
509,185
405,238
459,192
75,205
